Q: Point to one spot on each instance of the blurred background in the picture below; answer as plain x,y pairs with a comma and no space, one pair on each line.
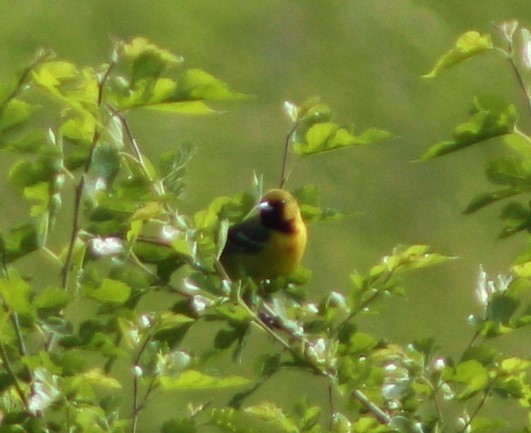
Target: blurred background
365,59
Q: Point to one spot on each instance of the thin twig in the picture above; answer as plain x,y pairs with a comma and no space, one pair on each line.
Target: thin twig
24,76
373,408
519,78
136,406
483,400
7,365
364,304
80,188
380,415
283,176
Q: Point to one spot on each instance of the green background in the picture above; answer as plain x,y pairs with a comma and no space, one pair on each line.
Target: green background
365,58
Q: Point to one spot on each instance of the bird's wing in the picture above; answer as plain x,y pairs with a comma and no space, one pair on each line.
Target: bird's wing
247,237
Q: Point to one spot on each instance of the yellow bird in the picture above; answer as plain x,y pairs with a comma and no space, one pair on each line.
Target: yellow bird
268,245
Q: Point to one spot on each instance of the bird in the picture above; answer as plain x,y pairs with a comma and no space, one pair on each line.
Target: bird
269,244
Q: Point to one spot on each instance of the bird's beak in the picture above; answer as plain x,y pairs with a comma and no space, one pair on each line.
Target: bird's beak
263,205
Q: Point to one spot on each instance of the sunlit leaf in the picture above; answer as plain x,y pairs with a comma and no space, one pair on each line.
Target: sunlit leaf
273,415
95,377
328,136
467,45
50,75
196,84
15,293
80,127
110,291
40,193
51,298
472,374
193,379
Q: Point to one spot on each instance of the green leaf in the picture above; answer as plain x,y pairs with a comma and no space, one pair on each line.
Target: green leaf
148,60
80,127
328,136
51,298
467,45
472,374
193,108
361,342
501,308
94,377
193,379
179,425
15,113
50,75
273,415
39,192
408,258
173,167
489,119
512,171
484,199
309,199
196,84
110,291
106,164
22,239
516,217
15,293
484,425
26,173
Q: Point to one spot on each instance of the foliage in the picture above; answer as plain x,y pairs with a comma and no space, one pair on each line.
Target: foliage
98,368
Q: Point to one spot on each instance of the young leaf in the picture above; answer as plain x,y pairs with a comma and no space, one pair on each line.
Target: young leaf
193,379
328,136
484,199
148,60
110,291
467,45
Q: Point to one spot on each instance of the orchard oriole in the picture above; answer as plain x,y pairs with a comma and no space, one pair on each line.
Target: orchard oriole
269,244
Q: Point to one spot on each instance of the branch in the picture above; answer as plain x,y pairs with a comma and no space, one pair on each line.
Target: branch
80,188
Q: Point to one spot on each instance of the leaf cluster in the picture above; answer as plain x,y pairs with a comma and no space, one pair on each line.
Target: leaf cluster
84,353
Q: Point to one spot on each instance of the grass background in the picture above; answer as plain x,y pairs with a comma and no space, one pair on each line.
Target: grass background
365,58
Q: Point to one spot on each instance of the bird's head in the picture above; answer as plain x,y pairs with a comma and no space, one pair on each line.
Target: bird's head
279,211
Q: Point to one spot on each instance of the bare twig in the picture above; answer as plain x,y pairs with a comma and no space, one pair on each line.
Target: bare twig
80,188
283,176
42,57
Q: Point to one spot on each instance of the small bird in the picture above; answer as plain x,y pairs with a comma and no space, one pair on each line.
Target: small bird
268,245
